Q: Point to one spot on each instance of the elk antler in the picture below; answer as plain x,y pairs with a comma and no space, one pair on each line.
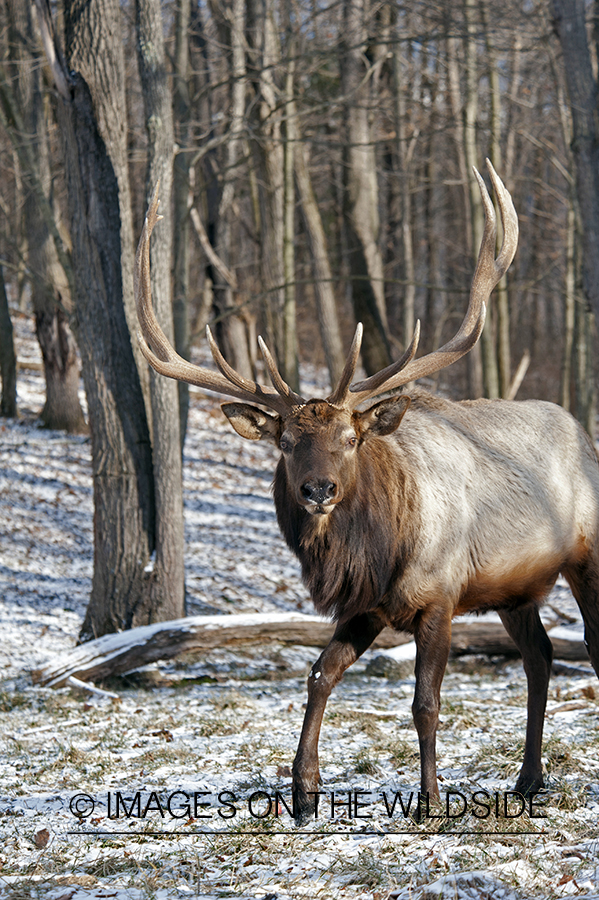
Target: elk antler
488,273
163,358
339,395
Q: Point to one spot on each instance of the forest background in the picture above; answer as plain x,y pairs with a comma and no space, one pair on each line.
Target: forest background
315,166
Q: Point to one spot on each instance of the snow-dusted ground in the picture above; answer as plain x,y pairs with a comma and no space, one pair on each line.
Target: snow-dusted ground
229,721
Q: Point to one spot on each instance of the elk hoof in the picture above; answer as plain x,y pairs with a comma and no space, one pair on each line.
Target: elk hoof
529,784
304,805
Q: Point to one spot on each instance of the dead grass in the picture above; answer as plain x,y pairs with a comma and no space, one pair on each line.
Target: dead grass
237,737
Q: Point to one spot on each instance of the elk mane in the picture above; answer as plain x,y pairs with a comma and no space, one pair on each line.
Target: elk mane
349,562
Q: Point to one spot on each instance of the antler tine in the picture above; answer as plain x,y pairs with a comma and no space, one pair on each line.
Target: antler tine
371,385
339,395
250,387
282,388
158,351
488,273
142,285
509,222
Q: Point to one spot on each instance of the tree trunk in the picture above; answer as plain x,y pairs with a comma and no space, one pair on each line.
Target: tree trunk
404,151
582,89
8,359
93,38
458,118
462,116
121,451
584,381
121,653
570,24
503,352
232,330
166,599
569,306
268,157
361,192
181,196
486,344
290,354
323,278
62,409
50,293
124,511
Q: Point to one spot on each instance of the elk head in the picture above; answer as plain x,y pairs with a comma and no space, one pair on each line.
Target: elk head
320,439
320,443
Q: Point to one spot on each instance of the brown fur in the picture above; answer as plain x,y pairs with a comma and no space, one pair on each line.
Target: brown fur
350,559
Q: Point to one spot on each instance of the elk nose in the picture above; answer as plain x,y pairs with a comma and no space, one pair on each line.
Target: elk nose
318,491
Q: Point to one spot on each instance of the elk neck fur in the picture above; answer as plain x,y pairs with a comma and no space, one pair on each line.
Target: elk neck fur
351,556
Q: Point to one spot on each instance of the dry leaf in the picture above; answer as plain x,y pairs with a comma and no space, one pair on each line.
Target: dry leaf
41,838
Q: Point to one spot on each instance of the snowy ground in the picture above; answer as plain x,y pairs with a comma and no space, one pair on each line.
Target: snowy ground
229,721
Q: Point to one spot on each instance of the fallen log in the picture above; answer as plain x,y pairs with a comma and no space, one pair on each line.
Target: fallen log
117,654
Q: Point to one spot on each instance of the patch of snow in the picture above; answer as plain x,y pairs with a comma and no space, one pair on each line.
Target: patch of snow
404,652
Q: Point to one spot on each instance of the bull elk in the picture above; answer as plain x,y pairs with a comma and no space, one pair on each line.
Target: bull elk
468,506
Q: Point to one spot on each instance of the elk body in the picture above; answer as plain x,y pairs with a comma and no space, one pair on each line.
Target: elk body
417,509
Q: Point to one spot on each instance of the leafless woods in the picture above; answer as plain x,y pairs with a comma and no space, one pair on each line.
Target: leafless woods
315,167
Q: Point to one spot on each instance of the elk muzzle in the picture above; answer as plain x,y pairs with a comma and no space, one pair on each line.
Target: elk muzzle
319,495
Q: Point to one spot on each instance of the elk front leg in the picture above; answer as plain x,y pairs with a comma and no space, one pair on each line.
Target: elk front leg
347,644
525,628
433,642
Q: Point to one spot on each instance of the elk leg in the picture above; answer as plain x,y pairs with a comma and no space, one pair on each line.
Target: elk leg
584,581
433,642
350,640
525,628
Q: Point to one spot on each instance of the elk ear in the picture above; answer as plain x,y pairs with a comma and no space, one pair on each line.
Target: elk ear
252,423
384,417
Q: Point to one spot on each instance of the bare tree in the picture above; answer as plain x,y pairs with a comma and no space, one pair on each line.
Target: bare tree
490,385
500,311
125,580
570,23
290,353
167,589
404,152
361,189
94,38
50,290
232,321
181,198
323,279
268,159
8,359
